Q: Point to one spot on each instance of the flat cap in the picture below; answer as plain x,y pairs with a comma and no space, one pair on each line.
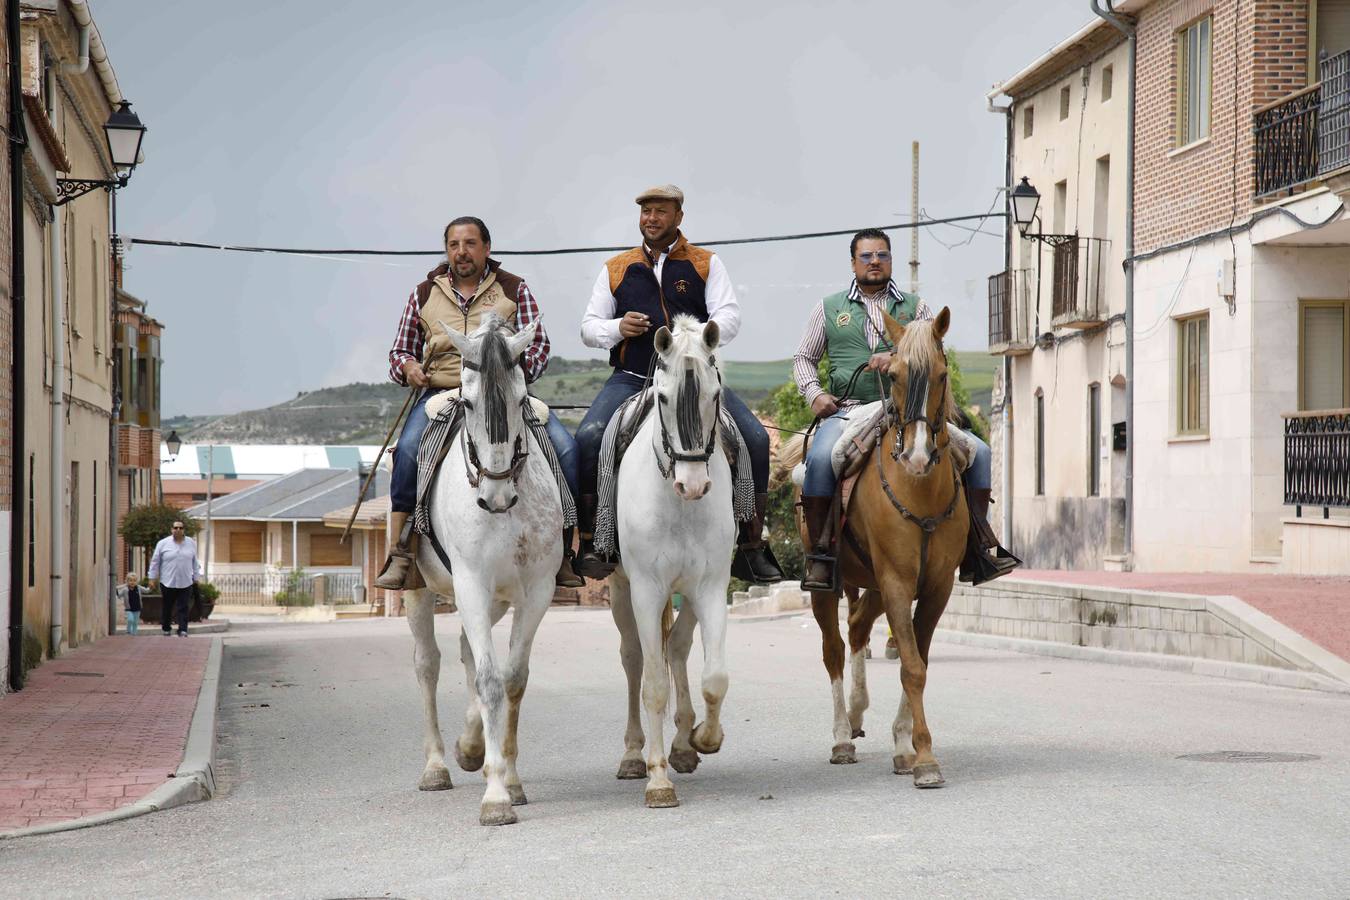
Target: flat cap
662,192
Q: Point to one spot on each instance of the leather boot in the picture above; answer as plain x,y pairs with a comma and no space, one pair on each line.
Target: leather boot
754,561
820,555
589,564
979,565
566,577
402,559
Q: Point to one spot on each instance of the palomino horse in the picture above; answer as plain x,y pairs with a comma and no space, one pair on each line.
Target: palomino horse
904,535
677,533
496,511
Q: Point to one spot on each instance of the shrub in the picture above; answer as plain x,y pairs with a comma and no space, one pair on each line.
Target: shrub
208,591
293,594
148,524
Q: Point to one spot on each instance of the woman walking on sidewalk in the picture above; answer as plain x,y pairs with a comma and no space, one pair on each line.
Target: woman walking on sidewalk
174,566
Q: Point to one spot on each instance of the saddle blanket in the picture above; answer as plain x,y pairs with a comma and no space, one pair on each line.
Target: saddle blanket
621,430
446,415
860,436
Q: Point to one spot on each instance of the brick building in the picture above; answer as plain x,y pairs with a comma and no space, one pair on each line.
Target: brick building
136,369
6,354
1241,297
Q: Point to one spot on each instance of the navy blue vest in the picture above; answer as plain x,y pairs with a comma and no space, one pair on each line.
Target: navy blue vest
632,281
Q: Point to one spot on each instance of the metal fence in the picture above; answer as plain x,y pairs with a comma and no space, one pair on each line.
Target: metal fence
1286,142
1333,140
1077,280
1011,297
1317,459
261,588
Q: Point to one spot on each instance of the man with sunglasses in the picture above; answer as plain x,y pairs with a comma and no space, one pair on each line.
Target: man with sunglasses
175,567
848,327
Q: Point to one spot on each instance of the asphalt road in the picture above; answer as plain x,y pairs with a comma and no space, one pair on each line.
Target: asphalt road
1063,780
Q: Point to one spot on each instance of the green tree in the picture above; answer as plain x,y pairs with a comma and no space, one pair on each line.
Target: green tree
148,524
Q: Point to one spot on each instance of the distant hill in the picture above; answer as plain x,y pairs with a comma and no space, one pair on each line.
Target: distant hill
361,413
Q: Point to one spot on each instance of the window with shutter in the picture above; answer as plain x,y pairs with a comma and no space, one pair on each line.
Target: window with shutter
1194,69
1193,375
246,546
1324,354
328,550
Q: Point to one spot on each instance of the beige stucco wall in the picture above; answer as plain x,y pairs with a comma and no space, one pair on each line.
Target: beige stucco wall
1067,526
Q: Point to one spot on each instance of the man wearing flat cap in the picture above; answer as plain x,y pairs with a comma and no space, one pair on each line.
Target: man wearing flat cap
636,293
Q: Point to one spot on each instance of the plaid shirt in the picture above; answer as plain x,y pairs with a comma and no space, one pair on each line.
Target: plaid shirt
408,342
806,361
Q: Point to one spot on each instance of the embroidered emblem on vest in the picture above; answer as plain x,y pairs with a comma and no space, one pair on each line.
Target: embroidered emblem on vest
681,287
842,320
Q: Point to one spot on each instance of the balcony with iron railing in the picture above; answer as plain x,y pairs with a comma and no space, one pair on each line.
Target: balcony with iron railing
1012,308
1305,136
1076,292
1317,459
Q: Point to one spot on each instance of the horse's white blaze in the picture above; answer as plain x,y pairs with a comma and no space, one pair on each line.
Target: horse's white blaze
917,460
499,561
671,545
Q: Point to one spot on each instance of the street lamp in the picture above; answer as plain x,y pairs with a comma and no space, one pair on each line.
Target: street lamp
1025,200
124,133
173,443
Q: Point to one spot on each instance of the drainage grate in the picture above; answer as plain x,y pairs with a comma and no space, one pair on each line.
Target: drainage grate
81,674
1249,756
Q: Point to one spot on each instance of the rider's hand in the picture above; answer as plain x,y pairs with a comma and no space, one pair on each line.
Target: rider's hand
879,362
412,370
633,324
824,405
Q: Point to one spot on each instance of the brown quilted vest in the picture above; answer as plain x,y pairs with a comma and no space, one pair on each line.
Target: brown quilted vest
436,302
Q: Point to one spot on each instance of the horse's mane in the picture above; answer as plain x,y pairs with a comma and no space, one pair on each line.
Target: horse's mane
495,373
921,347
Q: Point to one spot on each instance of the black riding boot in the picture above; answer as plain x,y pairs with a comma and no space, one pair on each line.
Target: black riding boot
589,564
820,551
566,576
979,566
754,560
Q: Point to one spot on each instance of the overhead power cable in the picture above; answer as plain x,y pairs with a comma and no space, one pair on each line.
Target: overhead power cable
196,245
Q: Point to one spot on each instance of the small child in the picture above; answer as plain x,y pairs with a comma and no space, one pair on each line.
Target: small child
131,594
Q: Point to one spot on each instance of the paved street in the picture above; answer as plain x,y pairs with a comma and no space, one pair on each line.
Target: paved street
1063,780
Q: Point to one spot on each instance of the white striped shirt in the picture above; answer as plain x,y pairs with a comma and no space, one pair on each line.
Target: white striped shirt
806,361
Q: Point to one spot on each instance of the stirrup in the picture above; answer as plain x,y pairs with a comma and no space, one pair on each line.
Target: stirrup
832,562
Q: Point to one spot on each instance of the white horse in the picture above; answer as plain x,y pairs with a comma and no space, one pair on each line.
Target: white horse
677,534
496,511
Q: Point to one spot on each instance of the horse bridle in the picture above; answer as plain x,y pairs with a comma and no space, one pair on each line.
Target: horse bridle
916,410
473,468
667,468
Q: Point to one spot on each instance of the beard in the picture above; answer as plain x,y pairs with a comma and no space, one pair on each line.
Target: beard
872,281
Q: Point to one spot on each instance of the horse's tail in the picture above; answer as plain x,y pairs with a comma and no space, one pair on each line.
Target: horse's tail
787,457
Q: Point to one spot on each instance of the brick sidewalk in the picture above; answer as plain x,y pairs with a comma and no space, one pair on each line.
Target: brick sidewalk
1316,607
99,728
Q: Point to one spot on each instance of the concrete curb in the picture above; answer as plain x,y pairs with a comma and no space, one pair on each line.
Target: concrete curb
1194,665
193,780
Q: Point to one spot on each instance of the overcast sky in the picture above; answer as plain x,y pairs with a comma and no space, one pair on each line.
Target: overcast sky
331,124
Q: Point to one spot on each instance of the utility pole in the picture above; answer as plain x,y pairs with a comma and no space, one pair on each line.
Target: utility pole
914,220
210,479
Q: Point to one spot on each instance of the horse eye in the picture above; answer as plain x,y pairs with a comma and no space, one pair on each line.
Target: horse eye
663,398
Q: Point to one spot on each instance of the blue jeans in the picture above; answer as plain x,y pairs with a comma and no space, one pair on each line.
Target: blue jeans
403,484
622,385
133,621
820,480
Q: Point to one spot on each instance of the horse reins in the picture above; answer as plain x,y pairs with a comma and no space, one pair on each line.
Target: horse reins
667,468
477,473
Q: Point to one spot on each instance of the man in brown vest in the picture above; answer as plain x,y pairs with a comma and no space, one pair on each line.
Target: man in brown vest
461,292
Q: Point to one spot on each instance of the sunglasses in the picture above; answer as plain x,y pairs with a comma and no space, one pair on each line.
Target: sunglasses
880,256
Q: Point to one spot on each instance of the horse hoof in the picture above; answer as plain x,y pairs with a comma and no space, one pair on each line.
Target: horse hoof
632,769
517,794
927,775
903,764
437,779
843,755
683,761
661,798
700,742
466,762
497,814
858,732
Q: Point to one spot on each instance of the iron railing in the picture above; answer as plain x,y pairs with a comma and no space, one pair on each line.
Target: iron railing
1317,459
1333,144
1305,135
1077,281
260,588
1011,296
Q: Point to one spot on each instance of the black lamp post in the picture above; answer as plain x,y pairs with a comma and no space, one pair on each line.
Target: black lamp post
1025,199
173,443
124,133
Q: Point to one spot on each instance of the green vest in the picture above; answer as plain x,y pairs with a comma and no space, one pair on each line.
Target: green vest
846,328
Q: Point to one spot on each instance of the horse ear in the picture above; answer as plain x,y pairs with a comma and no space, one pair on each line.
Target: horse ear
662,340
942,323
894,330
458,338
712,335
517,343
